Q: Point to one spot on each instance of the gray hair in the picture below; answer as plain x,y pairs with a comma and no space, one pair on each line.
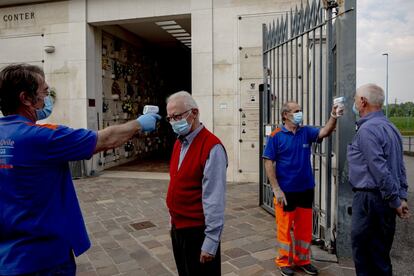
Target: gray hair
186,97
372,92
286,108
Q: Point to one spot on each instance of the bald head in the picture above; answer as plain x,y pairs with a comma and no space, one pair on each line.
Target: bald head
373,93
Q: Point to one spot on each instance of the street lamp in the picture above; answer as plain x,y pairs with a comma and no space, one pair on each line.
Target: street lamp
386,88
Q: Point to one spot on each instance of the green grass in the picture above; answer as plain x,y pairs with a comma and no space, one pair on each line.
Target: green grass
404,124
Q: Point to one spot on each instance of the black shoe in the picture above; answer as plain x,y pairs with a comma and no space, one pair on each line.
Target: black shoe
286,271
309,269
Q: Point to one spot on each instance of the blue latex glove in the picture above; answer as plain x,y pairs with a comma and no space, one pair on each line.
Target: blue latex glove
148,121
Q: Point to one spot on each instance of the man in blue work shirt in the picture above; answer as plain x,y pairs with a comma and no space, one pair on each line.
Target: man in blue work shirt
293,184
377,175
41,225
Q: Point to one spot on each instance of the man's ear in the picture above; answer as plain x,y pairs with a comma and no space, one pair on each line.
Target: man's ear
364,101
25,99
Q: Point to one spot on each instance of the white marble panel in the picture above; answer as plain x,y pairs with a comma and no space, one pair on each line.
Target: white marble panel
77,79
136,9
225,79
201,4
77,41
251,63
224,110
227,136
77,10
201,31
171,7
69,112
202,74
224,32
205,105
52,13
56,28
59,82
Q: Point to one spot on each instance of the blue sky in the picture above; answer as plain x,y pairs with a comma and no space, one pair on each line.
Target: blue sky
386,26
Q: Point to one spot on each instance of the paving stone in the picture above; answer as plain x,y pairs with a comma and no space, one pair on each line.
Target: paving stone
235,253
86,273
107,271
258,246
268,254
227,267
247,246
135,272
157,270
152,244
243,261
254,270
128,266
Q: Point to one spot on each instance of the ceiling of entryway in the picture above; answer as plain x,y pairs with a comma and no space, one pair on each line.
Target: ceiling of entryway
158,30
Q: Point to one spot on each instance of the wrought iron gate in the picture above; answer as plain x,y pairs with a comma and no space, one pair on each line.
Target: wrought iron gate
298,61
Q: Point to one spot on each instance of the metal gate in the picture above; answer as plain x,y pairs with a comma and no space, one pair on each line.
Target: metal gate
298,61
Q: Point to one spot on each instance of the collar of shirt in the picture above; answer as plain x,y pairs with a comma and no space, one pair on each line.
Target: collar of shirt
370,116
15,117
284,129
185,140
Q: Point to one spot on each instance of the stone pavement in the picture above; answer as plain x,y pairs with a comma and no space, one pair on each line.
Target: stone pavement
128,224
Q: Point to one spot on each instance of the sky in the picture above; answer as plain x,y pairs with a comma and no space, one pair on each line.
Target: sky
386,26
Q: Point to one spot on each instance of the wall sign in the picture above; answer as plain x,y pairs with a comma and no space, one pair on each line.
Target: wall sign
13,17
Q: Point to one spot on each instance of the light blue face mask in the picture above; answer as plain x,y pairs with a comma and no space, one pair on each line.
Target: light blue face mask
46,110
181,127
298,118
355,110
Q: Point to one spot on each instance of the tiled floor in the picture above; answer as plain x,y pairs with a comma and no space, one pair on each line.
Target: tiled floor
115,200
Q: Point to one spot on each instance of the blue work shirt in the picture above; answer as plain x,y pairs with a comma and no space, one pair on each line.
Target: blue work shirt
213,191
40,218
375,158
292,152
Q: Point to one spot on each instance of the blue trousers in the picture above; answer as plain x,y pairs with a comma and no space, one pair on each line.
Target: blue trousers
68,268
372,234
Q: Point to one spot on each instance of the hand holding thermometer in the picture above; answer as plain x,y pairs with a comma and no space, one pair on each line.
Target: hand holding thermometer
148,121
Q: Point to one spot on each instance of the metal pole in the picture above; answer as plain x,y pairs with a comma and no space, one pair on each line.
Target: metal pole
386,87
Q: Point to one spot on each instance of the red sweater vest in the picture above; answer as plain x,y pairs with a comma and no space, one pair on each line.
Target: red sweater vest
184,197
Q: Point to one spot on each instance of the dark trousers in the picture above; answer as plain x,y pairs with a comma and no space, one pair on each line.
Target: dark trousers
187,244
372,234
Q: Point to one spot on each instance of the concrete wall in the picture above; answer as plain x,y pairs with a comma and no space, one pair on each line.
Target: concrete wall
61,24
219,28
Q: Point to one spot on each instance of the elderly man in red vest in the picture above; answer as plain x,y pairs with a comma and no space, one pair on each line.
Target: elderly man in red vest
196,193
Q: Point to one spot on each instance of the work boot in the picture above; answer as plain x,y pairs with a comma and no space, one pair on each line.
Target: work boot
309,269
286,271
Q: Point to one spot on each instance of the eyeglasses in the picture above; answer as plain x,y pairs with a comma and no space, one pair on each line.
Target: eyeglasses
45,92
176,117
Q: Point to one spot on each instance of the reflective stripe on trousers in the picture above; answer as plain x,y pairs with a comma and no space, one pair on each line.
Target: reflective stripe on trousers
300,221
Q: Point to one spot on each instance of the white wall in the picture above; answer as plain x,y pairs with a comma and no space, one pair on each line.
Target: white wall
61,24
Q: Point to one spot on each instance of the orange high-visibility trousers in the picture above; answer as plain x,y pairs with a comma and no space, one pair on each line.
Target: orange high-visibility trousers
296,251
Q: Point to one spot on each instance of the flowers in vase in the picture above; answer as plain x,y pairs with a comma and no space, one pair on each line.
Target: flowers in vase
128,106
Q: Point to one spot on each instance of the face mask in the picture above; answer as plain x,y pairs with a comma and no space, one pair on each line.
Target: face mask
355,110
46,110
297,118
181,127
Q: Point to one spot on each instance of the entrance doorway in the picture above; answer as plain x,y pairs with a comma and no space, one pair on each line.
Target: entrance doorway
143,62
